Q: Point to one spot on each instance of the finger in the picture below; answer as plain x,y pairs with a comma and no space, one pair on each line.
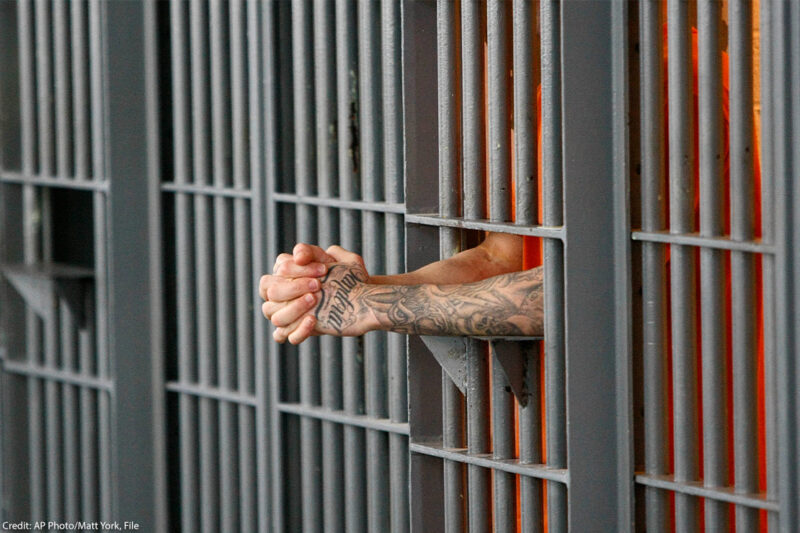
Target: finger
270,308
289,289
280,335
293,310
344,256
307,253
303,330
290,269
282,258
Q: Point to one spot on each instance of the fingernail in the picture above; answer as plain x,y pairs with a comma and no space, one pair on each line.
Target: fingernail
310,298
313,284
321,269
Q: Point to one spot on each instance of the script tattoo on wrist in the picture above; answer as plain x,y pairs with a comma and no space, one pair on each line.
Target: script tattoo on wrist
340,286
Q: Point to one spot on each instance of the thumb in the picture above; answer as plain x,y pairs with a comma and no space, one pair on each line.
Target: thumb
344,256
307,253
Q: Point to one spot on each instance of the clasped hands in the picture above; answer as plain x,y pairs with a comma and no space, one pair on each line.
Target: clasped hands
314,291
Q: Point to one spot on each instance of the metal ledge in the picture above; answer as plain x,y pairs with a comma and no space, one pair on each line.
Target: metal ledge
696,488
513,354
40,283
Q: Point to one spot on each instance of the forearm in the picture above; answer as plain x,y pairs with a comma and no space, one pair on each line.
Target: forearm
508,304
497,254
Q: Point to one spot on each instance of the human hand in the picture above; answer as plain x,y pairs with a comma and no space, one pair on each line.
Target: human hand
342,310
290,292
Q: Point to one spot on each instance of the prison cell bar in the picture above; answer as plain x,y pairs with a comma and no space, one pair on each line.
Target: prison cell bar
473,27
67,342
258,509
713,346
372,179
187,369
30,253
347,95
330,347
62,89
305,166
525,172
552,194
395,263
768,261
246,492
682,272
80,89
88,413
44,73
223,269
99,172
270,423
743,301
449,242
204,279
499,98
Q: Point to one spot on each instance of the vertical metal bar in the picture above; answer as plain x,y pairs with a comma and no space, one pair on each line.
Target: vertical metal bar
80,88
473,27
99,171
305,166
682,272
62,89
554,371
530,445
97,85
371,129
31,248
478,478
137,479
768,261
244,381
52,389
525,114
70,415
187,367
743,302
504,494
715,439
596,394
256,508
499,76
88,407
223,258
784,122
327,146
349,169
449,241
525,160
209,456
395,245
44,87
654,300
268,423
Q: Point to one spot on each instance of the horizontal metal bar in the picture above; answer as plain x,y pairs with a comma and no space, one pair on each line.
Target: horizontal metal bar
486,460
61,182
360,205
552,232
341,417
61,376
208,190
692,239
212,393
696,488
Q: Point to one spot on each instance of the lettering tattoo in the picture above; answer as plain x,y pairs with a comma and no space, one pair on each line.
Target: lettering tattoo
337,306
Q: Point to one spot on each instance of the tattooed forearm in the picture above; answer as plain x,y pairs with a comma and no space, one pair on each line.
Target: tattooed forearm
510,304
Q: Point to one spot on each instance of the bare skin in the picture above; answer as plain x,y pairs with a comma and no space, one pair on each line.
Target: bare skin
477,292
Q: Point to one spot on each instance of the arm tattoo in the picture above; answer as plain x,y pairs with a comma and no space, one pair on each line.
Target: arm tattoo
509,304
